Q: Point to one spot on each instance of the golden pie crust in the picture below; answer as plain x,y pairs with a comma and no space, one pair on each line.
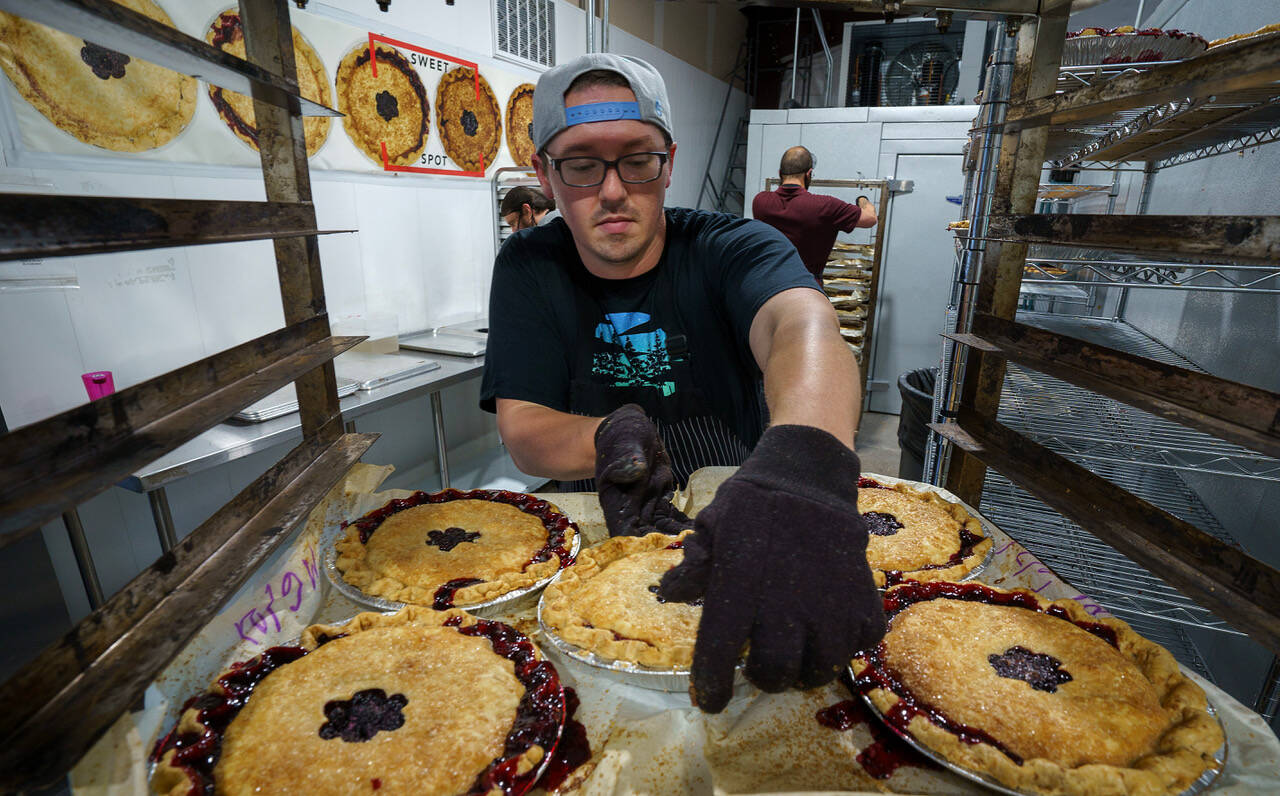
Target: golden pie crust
126,105
400,561
470,125
520,125
1126,722
236,110
461,700
604,604
390,109
931,536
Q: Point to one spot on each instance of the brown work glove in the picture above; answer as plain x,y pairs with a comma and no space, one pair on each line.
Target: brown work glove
633,476
779,558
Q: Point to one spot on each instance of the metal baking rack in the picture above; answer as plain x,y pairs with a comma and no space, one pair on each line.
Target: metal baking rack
1165,134
1088,425
61,702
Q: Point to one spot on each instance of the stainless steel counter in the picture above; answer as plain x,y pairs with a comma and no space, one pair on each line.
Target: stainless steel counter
227,441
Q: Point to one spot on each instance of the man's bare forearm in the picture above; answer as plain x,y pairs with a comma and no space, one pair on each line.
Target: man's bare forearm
810,375
867,218
548,443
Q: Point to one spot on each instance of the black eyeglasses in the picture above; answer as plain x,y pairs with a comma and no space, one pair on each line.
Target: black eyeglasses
586,172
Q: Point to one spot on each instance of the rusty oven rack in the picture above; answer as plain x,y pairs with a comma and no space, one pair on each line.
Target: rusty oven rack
61,702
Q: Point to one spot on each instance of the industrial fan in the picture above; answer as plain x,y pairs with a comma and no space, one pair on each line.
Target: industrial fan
923,73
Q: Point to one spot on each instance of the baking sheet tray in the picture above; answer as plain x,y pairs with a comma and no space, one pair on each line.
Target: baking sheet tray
511,602
1199,786
283,401
371,371
441,342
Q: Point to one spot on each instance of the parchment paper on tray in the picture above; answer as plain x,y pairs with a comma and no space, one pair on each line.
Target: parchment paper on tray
643,741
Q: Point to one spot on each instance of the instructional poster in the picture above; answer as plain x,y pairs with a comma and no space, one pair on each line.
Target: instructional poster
409,106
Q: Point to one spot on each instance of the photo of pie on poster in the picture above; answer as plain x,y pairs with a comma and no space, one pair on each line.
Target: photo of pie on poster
236,110
104,98
390,109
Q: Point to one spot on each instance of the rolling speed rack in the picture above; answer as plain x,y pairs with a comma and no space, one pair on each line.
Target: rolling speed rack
64,699
1084,422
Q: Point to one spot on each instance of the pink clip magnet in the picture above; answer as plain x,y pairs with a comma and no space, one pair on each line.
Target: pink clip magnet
98,384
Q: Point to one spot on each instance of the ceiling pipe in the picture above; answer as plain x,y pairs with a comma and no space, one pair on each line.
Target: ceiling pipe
604,27
831,62
591,26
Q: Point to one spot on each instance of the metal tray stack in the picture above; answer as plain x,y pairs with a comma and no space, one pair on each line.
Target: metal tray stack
847,282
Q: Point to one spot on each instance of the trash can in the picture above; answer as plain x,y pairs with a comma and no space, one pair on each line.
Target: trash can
916,388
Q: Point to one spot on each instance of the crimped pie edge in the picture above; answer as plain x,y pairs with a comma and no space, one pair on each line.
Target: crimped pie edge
560,615
353,569
960,515
1185,750
172,780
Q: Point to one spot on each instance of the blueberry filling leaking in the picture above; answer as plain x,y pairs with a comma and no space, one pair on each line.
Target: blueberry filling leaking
909,705
450,538
1042,672
388,105
556,525
470,125
105,63
661,599
881,523
363,716
543,711
530,131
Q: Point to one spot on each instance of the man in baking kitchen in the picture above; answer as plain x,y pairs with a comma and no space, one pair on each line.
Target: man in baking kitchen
634,344
809,220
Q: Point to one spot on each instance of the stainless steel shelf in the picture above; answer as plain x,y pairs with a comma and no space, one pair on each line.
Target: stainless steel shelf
1167,134
1121,586
1092,429
1138,451
1153,275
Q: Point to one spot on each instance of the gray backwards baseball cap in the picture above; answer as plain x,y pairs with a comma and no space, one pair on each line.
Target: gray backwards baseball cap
550,117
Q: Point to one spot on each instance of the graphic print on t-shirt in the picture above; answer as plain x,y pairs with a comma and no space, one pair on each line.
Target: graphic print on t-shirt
633,352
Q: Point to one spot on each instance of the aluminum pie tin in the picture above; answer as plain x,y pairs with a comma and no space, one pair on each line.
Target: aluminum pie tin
511,602
1199,786
987,528
1130,48
675,681
547,756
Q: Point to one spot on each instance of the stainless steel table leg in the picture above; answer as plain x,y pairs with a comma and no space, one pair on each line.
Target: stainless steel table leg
437,419
163,519
1268,703
84,559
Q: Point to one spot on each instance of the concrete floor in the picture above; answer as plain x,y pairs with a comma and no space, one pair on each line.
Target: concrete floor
877,443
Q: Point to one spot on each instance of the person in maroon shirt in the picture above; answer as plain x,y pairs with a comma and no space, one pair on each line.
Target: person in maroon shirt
809,220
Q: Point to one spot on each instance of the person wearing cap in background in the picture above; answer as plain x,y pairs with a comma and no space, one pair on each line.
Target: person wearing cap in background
525,207
809,220
631,343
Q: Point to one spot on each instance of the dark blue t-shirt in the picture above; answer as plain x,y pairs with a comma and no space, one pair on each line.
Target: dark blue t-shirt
674,340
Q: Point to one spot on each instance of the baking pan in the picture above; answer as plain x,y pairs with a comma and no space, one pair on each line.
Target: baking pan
508,603
371,371
675,681
283,401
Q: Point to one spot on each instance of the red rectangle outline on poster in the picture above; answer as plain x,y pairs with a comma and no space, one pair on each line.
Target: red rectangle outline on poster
475,71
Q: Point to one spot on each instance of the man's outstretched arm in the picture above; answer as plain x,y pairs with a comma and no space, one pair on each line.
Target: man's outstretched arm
810,374
546,442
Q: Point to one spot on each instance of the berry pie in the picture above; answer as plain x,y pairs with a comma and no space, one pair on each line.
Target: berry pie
608,603
455,547
914,533
418,702
1037,695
